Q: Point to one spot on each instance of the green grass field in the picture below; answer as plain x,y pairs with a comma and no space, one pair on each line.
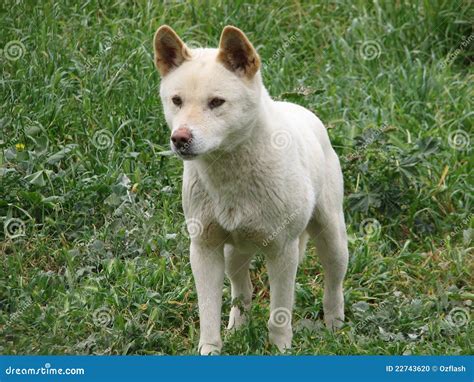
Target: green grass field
94,253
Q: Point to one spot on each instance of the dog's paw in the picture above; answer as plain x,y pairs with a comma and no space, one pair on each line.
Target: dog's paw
280,334
209,349
334,321
281,341
236,319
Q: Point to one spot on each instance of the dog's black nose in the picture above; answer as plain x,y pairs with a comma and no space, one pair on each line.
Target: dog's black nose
182,138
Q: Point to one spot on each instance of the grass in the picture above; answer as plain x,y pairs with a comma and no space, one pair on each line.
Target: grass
97,261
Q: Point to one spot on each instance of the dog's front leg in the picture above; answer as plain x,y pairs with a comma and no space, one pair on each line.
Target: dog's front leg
282,267
207,264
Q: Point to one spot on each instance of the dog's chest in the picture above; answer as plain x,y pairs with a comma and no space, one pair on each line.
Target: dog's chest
238,208
250,199
244,203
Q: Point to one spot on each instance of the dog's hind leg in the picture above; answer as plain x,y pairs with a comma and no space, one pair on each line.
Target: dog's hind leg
329,232
237,269
303,241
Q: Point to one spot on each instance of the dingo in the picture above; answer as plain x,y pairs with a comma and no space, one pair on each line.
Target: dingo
259,176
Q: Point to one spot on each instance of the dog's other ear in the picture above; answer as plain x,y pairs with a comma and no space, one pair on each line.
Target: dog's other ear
237,53
170,51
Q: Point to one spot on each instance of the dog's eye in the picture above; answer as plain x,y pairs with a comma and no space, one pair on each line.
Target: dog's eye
216,102
177,100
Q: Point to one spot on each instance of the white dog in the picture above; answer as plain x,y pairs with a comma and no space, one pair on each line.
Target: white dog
259,176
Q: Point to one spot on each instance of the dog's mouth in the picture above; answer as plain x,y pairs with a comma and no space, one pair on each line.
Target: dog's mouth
187,156
184,154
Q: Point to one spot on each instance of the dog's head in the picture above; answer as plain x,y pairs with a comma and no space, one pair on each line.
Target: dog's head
210,96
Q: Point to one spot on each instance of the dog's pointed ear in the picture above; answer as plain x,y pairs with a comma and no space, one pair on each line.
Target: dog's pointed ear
237,53
170,50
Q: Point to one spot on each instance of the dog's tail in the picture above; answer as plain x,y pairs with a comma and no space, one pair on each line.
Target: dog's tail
304,237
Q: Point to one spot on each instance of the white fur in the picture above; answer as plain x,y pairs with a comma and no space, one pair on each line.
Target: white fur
265,178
